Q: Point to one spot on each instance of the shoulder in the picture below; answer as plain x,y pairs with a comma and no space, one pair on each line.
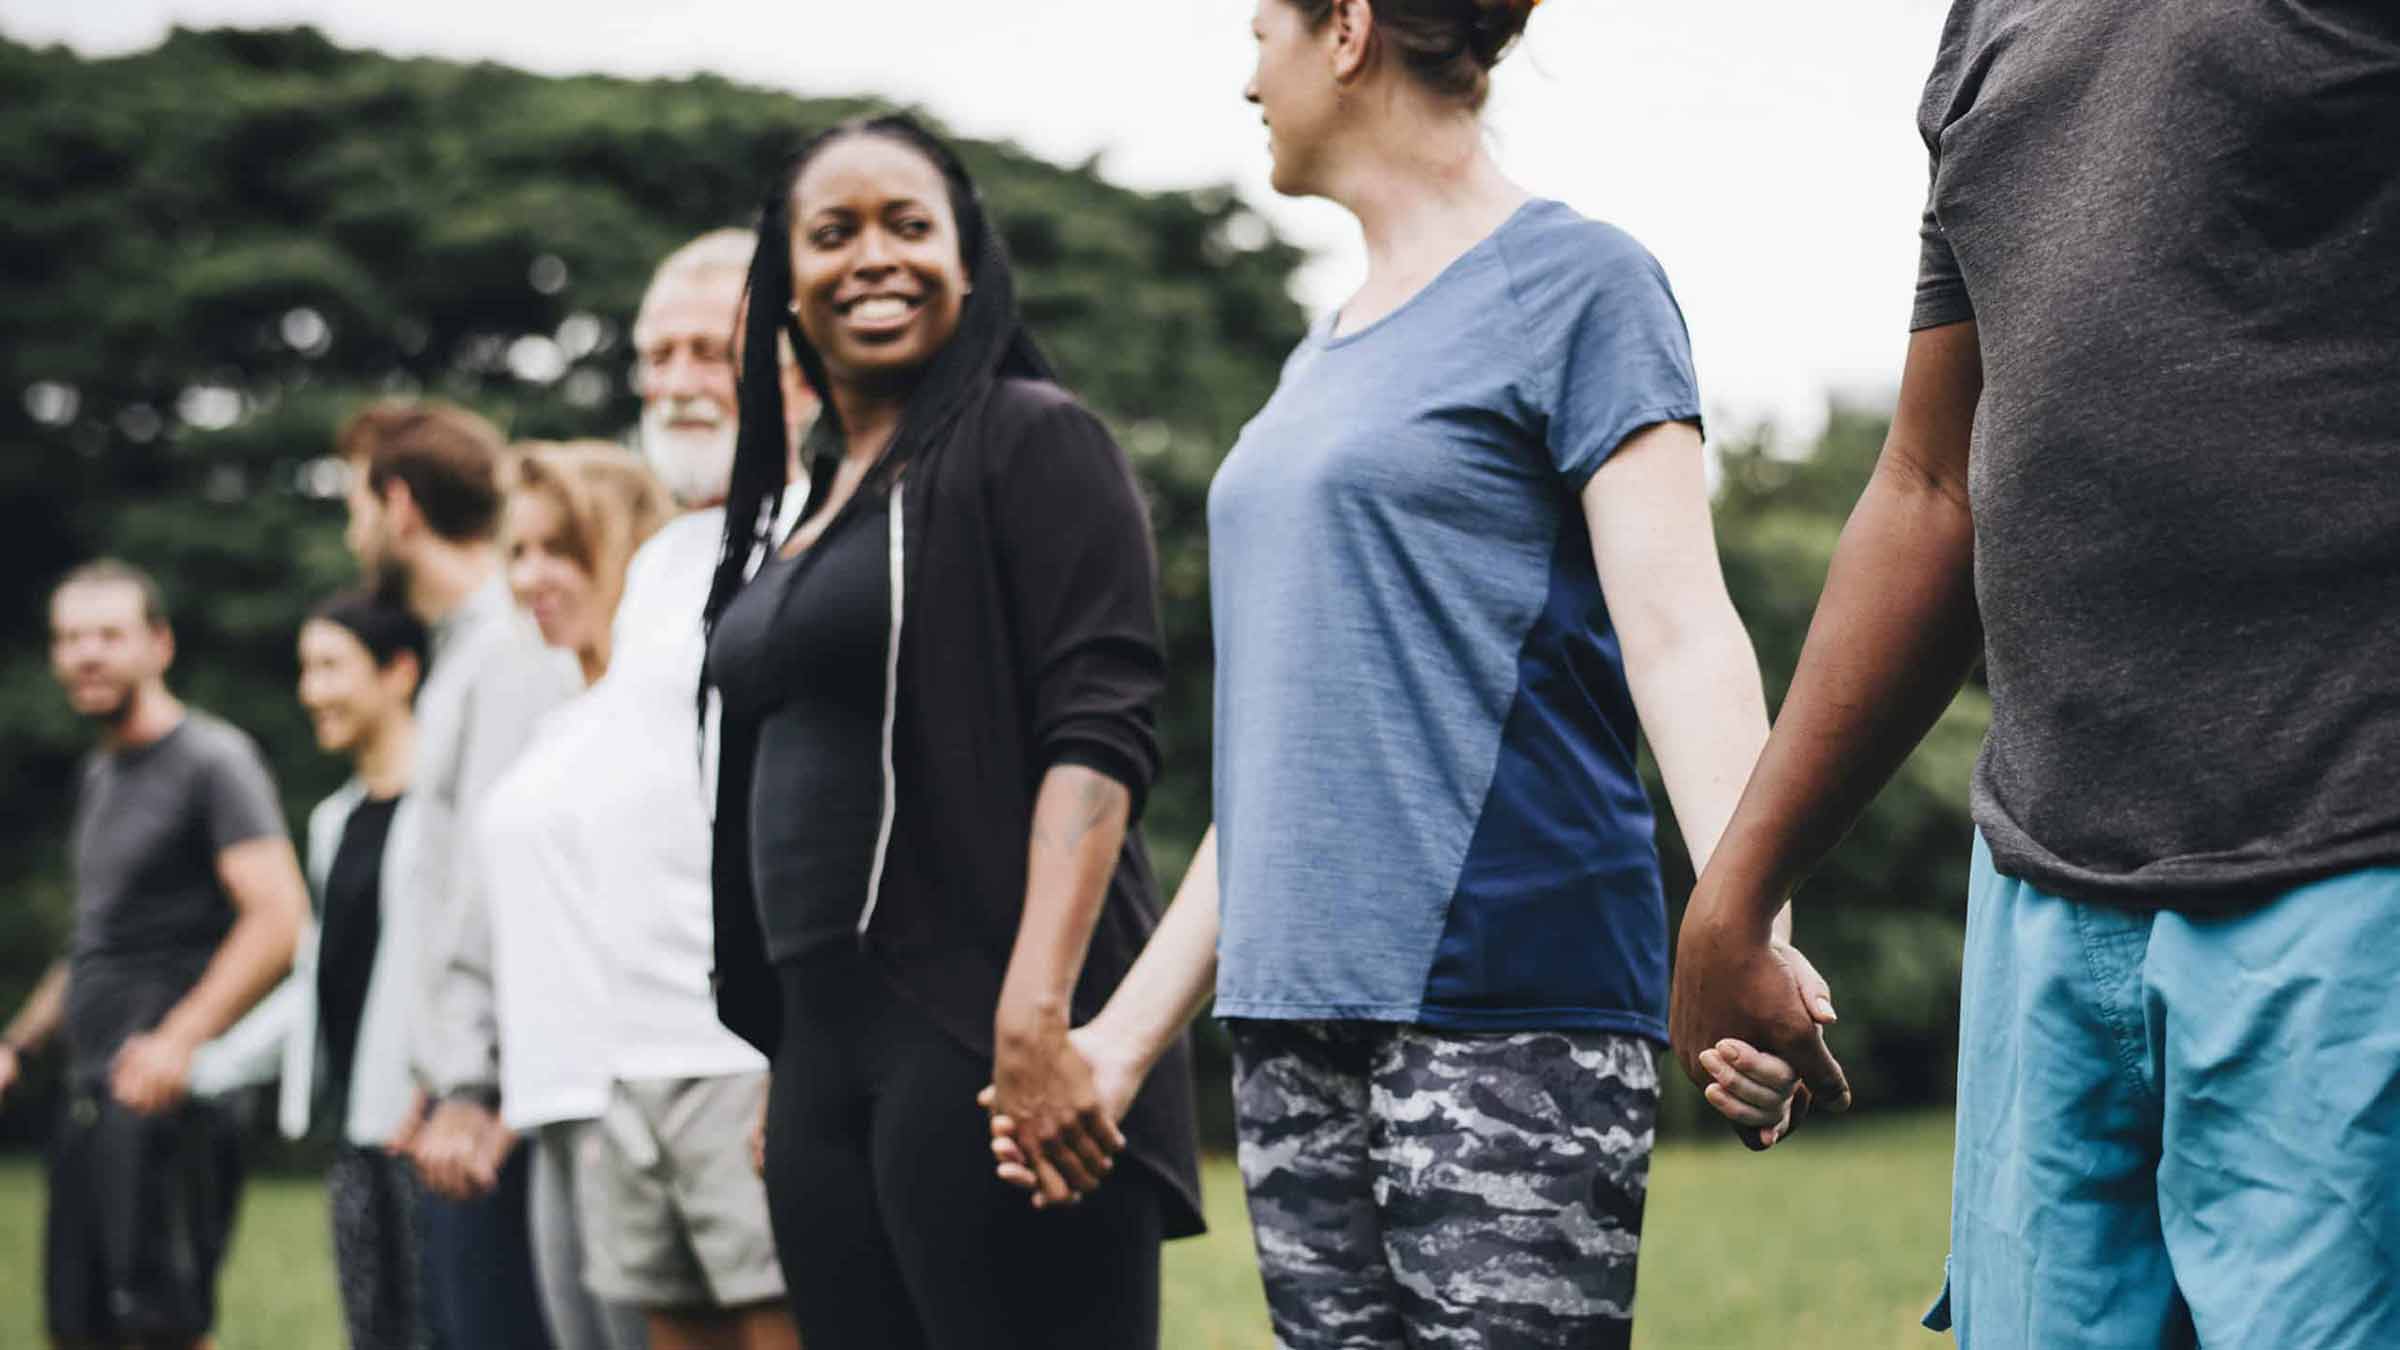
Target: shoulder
1562,264
1018,406
1970,27
1023,416
213,742
683,549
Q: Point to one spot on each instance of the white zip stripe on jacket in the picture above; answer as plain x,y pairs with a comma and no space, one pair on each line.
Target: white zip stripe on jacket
898,556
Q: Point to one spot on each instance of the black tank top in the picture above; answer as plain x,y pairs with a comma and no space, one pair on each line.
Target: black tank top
802,650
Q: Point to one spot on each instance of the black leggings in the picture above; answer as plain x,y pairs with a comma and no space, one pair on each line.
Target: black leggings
893,1232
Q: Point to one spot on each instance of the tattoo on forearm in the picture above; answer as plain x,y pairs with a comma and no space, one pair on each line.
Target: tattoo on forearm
1094,798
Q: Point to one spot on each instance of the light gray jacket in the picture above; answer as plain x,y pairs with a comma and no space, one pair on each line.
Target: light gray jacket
489,685
280,1037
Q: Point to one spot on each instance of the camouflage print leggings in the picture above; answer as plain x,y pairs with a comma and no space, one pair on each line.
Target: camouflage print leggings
1412,1188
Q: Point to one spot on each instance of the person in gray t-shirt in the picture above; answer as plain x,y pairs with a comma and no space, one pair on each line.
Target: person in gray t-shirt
189,904
2146,465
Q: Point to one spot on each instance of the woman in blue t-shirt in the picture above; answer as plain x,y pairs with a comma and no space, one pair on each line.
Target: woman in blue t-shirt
1461,562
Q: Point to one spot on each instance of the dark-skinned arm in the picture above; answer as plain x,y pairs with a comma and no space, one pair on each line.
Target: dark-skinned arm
1895,634
1073,555
1079,820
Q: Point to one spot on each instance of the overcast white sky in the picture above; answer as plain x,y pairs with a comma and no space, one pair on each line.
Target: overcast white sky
1764,149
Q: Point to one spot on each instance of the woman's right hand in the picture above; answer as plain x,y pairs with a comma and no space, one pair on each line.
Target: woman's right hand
1116,1076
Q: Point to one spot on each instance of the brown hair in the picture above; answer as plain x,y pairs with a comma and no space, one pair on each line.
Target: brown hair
608,503
118,572
1450,46
448,457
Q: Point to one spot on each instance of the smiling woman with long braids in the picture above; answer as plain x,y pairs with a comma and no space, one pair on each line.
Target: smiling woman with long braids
938,731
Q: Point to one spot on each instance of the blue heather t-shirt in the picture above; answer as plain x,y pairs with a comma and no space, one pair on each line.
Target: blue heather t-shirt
1427,804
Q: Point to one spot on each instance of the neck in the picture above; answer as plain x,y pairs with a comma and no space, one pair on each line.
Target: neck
154,713
1423,187
870,417
383,761
444,574
594,661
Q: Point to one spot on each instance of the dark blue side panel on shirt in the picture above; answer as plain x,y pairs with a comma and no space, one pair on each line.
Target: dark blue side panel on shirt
1559,920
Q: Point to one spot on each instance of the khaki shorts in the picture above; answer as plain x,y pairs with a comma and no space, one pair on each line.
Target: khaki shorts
673,1216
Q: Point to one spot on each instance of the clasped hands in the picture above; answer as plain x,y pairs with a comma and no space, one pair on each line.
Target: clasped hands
458,1146
1748,1021
1055,1099
1748,1024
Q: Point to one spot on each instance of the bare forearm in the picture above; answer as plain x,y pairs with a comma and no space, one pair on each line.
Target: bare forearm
254,956
1893,638
1079,820
1176,973
270,902
45,1008
1705,716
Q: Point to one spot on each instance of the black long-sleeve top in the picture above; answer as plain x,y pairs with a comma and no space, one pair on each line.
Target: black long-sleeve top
1027,636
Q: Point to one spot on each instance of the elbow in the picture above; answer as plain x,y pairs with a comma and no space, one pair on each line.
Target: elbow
280,926
1705,633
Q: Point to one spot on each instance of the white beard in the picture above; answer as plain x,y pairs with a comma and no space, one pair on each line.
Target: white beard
695,465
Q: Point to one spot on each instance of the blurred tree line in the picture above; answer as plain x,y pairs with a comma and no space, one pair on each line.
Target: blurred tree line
217,248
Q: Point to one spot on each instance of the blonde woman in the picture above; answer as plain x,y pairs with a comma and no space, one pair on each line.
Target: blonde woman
573,516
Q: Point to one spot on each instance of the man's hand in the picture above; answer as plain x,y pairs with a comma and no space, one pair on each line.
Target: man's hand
151,1072
1115,1078
460,1149
1047,1090
1738,990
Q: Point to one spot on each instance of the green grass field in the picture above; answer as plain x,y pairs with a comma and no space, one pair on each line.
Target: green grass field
1833,1241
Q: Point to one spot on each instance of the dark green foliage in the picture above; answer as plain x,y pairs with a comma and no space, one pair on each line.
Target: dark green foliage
223,245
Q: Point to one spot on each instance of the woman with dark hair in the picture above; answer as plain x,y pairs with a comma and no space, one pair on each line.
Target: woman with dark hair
937,734
337,1030
1461,563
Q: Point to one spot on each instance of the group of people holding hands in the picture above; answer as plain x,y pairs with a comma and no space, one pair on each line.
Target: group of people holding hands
738,930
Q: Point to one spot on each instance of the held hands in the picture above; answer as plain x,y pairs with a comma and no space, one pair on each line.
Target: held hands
460,1148
151,1072
1748,1025
1079,1066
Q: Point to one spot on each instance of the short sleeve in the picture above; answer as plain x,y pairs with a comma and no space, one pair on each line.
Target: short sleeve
238,796
1624,355
1941,289
1941,292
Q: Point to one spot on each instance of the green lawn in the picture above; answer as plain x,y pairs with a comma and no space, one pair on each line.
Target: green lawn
1833,1241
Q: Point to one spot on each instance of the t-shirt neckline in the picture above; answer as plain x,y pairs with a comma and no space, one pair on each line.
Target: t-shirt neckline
1328,339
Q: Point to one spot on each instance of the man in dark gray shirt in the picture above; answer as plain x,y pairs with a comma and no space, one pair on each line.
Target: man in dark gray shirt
2146,462
189,902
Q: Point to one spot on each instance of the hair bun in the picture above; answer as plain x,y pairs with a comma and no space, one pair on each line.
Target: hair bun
1497,24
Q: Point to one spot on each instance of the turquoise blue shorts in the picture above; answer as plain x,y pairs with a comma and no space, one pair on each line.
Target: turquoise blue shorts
2178,1130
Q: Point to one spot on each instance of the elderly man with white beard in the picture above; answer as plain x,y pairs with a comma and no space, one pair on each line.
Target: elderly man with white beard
673,1214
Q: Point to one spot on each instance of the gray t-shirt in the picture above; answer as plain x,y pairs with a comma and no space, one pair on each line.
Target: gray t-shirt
2178,229
149,910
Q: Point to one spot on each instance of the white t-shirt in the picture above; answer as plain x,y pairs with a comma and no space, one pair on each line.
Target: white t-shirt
551,974
649,833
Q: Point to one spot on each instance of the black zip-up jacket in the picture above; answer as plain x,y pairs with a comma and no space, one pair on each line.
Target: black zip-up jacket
1025,634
